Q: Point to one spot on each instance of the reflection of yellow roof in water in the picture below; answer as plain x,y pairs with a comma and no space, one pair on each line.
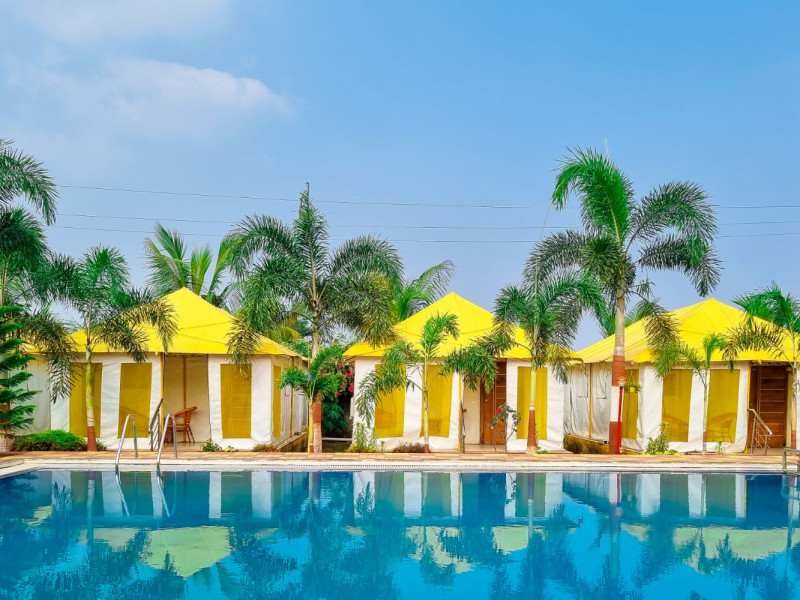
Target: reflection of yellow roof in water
510,538
694,323
473,323
431,537
192,549
202,329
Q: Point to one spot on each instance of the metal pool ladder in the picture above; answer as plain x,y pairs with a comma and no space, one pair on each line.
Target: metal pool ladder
167,419
784,466
128,419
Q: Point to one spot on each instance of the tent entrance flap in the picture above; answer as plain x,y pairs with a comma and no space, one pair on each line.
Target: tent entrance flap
134,394
676,404
630,410
390,413
77,399
723,405
236,393
524,402
440,397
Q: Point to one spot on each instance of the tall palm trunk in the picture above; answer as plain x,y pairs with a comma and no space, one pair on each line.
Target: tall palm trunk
531,449
425,422
88,380
705,411
793,418
315,414
617,377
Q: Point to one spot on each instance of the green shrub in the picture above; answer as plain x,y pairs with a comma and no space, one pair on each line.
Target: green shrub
265,448
334,420
211,446
56,439
411,448
363,440
660,445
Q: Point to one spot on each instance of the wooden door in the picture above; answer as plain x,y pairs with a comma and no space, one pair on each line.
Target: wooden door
490,402
769,389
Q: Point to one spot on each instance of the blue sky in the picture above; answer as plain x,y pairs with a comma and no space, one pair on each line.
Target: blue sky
459,102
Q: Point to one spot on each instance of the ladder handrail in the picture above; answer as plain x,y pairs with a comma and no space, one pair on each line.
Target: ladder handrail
155,420
128,417
783,462
761,421
167,419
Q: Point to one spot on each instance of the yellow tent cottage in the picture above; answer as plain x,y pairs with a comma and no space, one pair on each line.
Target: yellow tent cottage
233,407
398,419
756,382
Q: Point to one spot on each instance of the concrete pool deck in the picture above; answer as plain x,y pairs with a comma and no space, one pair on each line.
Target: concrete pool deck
471,461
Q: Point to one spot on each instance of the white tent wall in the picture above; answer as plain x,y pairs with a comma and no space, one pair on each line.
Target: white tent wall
38,382
286,404
557,392
601,404
412,412
650,411
193,370
576,411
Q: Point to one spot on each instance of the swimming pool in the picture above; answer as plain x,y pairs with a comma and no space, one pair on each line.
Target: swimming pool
336,535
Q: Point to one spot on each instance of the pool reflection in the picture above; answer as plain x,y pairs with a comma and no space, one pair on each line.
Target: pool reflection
397,535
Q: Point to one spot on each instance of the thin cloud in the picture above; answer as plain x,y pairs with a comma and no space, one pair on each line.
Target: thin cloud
88,22
153,99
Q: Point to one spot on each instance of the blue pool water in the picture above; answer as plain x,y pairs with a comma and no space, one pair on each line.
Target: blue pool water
337,535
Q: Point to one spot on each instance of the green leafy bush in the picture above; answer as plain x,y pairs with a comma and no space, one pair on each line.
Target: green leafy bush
411,448
363,440
334,420
211,446
660,445
265,448
56,439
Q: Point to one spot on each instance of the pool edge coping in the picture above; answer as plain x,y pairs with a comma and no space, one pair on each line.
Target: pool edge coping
34,464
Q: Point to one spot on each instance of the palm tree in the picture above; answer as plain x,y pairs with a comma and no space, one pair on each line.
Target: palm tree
404,363
170,269
548,309
26,264
288,270
323,381
23,176
110,312
412,295
699,361
671,228
14,413
772,325
604,312
293,265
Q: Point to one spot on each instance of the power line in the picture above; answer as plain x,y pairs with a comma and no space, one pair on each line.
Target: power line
276,199
434,241
369,202
383,225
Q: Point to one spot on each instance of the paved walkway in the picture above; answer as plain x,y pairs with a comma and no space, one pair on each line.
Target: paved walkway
444,461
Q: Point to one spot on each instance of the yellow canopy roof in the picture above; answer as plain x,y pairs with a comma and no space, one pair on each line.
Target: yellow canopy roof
202,329
473,322
694,323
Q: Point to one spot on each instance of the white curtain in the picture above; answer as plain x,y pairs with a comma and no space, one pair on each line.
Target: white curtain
601,400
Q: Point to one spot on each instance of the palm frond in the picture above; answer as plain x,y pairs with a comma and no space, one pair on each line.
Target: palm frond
199,265
605,193
681,207
692,256
50,336
23,176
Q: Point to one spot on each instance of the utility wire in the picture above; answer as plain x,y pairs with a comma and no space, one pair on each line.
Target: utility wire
429,241
386,226
367,202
